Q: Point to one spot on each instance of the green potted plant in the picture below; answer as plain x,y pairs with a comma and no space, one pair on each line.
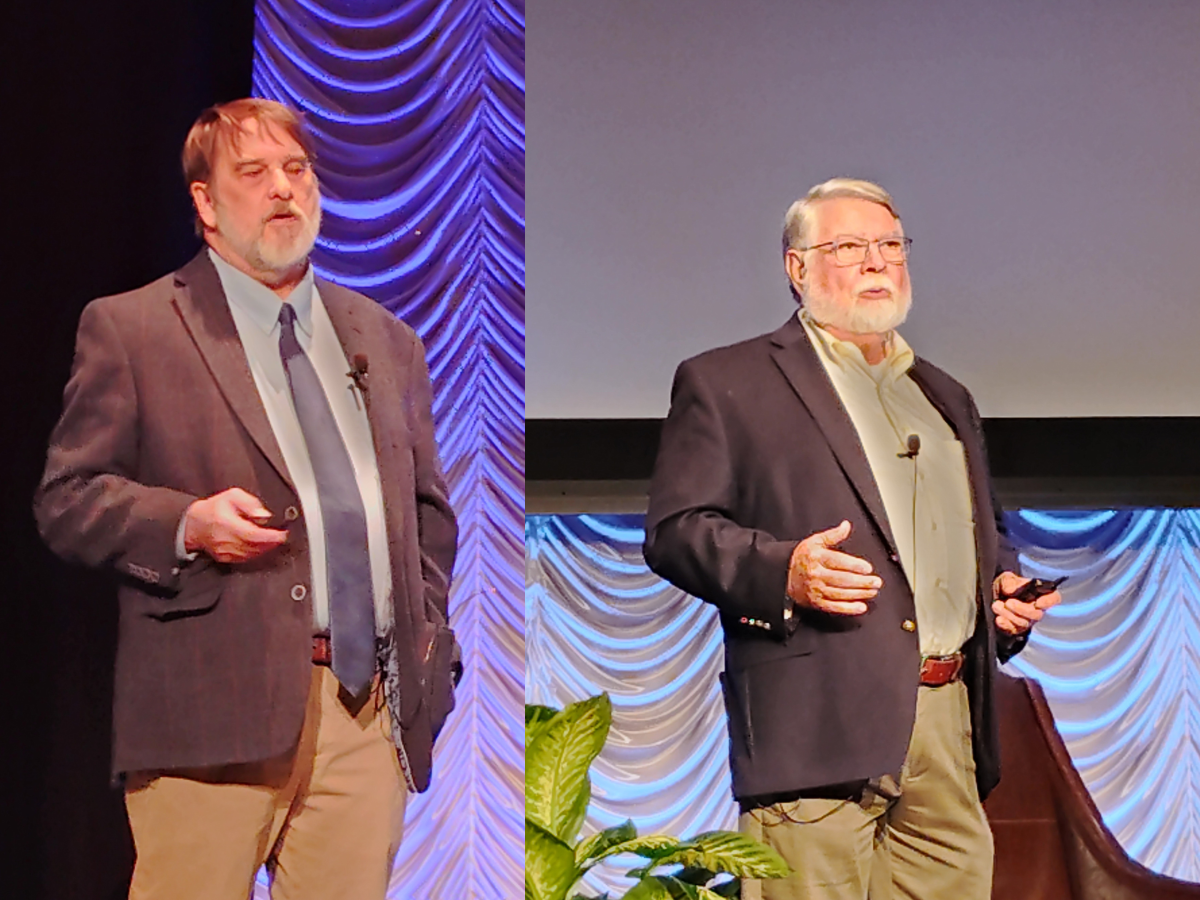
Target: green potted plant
560,746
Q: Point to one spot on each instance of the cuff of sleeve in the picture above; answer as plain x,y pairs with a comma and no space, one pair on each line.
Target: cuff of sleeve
181,552
767,582
791,621
1009,645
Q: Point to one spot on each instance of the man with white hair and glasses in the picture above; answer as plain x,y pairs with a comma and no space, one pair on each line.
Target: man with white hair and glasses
828,491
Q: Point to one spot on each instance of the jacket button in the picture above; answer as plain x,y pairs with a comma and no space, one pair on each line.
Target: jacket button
291,514
895,557
908,625
299,592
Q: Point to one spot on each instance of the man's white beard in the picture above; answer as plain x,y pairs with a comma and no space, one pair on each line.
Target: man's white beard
272,254
858,316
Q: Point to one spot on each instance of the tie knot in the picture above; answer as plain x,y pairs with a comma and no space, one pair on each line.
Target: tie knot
289,345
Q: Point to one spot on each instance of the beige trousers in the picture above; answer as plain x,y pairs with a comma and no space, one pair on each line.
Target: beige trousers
325,818
931,842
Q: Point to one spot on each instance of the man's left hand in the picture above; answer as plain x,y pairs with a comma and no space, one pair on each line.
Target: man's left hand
1014,616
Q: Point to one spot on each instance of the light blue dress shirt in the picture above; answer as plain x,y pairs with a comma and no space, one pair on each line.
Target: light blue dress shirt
255,309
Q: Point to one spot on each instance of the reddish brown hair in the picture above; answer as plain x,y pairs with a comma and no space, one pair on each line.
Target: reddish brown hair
224,125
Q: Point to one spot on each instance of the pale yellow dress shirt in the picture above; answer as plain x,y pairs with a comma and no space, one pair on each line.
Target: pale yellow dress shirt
927,499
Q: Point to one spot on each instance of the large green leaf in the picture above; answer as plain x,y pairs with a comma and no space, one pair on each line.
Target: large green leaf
549,865
596,845
648,889
695,875
650,847
674,888
728,851
668,887
536,718
557,789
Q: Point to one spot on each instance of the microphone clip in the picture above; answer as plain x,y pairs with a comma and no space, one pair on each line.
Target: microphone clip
358,373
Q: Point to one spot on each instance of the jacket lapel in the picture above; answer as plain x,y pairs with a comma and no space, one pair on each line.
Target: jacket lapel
201,304
359,340
793,353
389,434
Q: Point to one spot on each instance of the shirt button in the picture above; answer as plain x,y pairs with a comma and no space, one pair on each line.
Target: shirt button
299,592
291,514
908,625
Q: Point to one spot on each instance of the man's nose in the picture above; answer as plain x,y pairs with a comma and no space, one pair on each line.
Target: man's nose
280,185
873,261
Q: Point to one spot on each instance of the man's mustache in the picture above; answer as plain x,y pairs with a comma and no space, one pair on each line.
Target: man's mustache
876,284
280,209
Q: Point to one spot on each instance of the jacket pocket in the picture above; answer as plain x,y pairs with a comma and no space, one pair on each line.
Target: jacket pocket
198,593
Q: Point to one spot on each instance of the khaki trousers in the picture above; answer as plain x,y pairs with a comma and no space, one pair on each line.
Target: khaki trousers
325,818
925,839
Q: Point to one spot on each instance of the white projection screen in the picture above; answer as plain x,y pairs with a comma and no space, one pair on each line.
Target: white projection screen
1045,158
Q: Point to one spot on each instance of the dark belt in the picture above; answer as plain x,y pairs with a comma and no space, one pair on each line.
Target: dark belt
939,670
322,650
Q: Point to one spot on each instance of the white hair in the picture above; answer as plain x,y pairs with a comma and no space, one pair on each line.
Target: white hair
800,220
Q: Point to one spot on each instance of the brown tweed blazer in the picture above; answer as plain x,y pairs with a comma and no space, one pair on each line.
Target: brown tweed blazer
214,661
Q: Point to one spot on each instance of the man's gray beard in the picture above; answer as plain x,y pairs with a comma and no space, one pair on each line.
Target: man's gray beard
266,258
861,317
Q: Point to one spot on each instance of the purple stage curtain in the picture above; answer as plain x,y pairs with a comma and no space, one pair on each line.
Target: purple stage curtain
417,110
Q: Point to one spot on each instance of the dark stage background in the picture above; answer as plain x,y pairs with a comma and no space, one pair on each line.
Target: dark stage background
97,99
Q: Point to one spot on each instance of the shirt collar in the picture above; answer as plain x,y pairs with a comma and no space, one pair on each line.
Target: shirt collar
898,356
258,301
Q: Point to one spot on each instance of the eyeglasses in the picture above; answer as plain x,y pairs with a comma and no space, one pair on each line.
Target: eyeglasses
852,251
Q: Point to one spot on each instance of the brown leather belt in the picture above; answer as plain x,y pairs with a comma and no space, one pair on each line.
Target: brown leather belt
322,650
939,670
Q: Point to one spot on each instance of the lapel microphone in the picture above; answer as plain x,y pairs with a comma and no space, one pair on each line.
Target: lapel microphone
358,374
913,442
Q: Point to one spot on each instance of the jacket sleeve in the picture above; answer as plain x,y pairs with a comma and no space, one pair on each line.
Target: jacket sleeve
693,538
438,529
89,507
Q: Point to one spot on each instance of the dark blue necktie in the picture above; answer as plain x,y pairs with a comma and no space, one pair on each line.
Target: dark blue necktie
347,559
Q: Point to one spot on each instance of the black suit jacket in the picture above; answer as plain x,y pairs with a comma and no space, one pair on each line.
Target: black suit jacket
758,453
214,661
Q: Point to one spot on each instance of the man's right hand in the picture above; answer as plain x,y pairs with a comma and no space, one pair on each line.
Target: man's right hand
825,579
228,527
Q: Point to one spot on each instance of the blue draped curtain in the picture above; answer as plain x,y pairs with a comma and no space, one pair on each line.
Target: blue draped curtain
1119,659
417,110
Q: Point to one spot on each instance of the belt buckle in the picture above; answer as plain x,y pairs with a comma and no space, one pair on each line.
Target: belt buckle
322,648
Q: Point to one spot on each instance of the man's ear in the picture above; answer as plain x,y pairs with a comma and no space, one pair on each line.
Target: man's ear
793,263
202,199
